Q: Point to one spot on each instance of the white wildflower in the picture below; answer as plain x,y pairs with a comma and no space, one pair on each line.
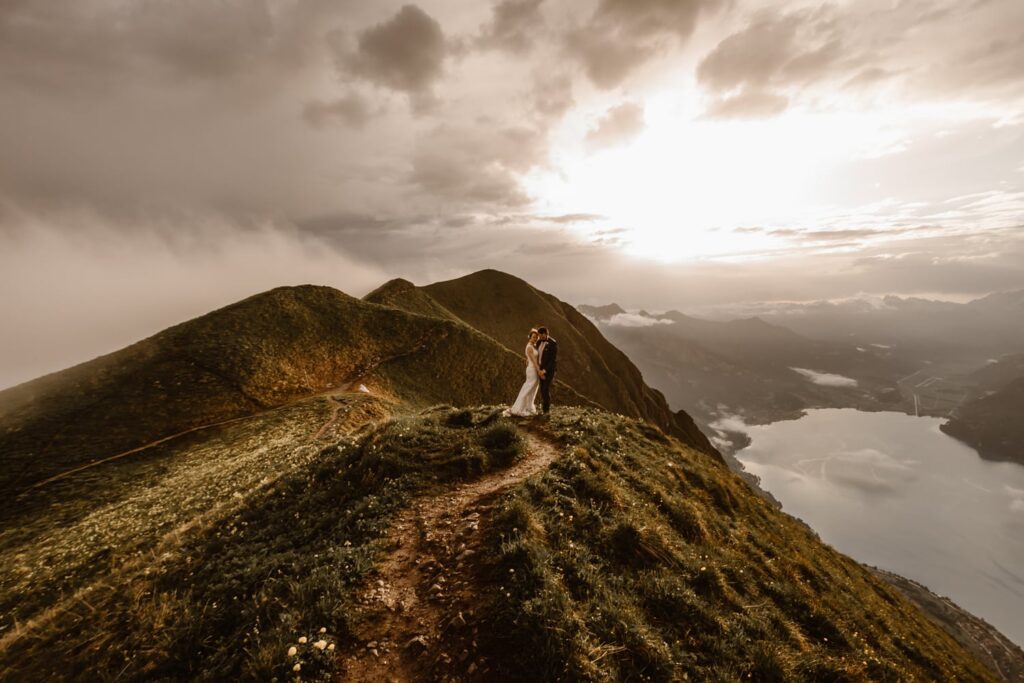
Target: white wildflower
292,651
320,644
297,668
302,639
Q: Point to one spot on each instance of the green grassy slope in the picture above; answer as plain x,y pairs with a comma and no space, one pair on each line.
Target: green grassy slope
211,567
506,307
633,557
256,354
404,295
637,558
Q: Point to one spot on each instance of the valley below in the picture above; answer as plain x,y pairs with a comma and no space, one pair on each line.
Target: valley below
893,491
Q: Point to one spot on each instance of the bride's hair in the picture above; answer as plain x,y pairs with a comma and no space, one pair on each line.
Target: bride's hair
533,331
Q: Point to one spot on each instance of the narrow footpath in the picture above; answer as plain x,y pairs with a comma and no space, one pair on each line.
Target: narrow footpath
418,587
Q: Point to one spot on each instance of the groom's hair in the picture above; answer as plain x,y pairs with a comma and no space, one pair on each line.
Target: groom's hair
542,330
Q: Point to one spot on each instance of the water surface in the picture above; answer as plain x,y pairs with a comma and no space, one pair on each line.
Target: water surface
893,491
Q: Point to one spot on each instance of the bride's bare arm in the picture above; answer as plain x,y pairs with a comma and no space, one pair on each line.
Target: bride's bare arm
531,355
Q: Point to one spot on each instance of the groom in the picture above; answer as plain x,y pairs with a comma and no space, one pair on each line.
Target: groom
547,359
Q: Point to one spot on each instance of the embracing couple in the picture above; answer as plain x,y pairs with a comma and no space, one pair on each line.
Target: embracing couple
541,363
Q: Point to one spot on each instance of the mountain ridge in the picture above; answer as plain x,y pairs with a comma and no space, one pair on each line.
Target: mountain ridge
506,307
259,547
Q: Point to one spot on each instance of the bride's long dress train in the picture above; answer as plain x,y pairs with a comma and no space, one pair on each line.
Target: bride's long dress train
524,405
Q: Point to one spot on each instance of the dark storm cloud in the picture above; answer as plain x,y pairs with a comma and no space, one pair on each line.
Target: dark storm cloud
619,125
513,27
622,35
404,53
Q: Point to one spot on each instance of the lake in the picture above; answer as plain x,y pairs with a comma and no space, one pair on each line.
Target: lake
893,491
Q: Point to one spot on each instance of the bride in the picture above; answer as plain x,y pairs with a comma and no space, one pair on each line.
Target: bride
523,406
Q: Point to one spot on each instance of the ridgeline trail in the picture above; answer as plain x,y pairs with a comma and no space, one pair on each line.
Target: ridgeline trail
413,600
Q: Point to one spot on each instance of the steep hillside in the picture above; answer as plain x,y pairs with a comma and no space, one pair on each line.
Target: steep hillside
992,423
245,358
314,487
586,547
505,308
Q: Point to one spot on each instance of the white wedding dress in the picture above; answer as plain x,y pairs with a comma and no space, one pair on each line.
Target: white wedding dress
524,405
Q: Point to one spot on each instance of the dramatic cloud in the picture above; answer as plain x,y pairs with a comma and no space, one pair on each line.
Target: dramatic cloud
790,48
514,26
922,47
621,35
619,125
405,53
782,152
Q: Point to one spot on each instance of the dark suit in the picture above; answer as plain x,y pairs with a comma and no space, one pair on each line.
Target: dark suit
548,363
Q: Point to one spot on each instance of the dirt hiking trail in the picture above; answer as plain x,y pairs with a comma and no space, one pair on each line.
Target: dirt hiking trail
414,599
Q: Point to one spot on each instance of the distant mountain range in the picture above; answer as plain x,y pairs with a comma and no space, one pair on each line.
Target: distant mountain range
942,332
309,485
912,355
758,371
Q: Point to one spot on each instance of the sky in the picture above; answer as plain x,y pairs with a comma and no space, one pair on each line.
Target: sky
161,158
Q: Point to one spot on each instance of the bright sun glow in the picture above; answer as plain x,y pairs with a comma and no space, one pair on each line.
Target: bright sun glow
685,183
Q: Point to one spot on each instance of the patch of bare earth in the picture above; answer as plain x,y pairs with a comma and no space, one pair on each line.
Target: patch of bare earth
419,624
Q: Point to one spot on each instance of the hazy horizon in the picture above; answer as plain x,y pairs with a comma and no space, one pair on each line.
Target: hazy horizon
162,159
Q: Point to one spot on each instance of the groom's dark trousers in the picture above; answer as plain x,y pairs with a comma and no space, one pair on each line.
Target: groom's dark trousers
548,363
545,390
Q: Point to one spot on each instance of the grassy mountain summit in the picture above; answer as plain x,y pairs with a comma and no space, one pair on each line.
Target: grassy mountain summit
320,488
506,307
259,353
